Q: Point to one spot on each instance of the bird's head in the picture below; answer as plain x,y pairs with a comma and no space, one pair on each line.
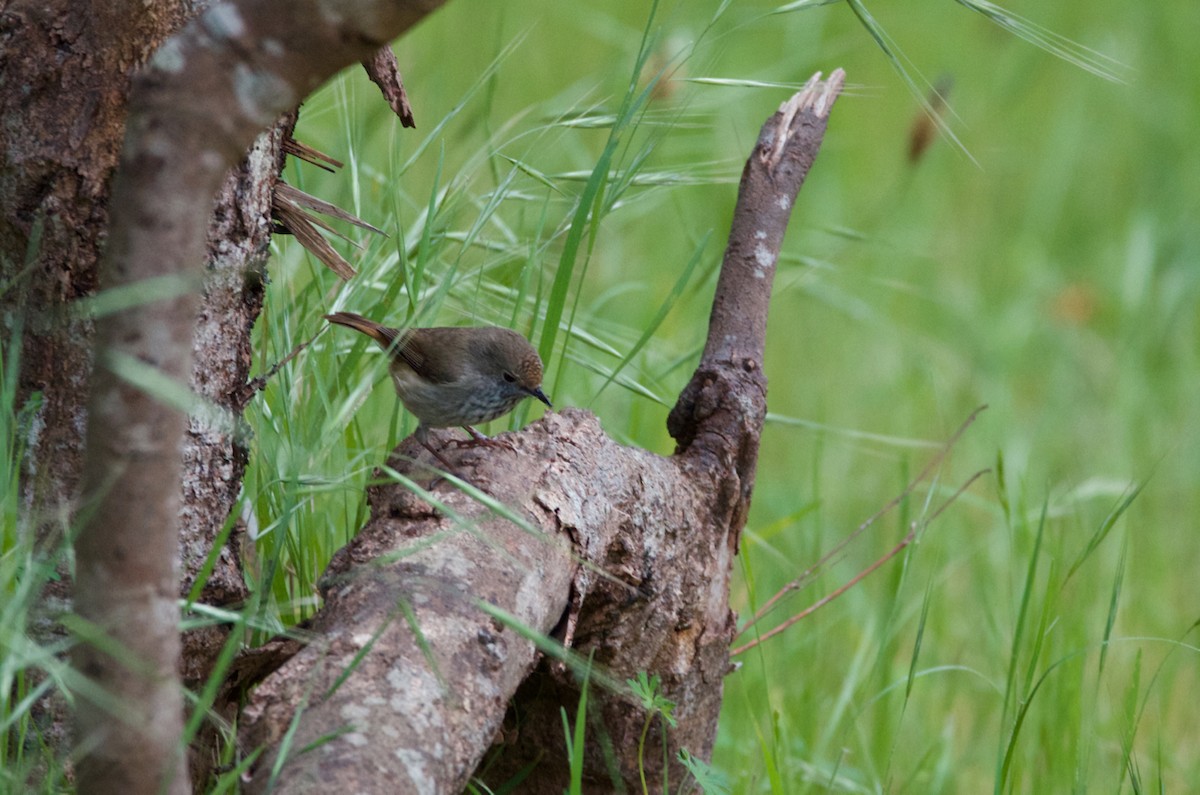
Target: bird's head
516,363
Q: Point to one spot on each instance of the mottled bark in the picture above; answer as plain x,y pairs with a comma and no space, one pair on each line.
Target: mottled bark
215,447
424,640
65,67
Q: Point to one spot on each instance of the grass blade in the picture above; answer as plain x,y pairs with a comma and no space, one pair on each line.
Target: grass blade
659,316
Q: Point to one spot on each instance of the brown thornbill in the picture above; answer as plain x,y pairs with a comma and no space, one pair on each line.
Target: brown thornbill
455,376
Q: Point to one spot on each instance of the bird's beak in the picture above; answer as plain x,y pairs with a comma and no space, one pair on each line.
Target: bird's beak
540,395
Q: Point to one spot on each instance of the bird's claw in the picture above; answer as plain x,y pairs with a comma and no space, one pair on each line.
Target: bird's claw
483,441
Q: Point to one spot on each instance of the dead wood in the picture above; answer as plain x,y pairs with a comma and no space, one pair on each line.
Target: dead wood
384,71
424,644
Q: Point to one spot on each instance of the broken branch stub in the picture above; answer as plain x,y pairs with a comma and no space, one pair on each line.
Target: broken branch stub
771,180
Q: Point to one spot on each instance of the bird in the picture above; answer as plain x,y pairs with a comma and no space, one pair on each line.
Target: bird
455,376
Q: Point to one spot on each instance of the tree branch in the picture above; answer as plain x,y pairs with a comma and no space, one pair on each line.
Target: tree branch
774,173
623,556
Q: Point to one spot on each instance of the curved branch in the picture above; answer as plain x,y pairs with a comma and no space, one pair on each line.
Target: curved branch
771,180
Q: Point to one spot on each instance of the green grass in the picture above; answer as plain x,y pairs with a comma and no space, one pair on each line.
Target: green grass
1041,635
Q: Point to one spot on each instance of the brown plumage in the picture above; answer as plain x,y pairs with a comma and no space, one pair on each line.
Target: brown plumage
455,376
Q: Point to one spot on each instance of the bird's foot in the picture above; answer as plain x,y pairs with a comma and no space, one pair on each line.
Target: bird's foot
479,439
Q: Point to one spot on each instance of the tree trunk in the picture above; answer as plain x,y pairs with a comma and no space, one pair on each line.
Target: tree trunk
214,448
66,67
193,111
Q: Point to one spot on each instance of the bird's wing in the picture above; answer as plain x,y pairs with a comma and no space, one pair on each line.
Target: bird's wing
413,349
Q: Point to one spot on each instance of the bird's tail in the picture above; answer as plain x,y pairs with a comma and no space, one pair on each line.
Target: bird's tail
386,337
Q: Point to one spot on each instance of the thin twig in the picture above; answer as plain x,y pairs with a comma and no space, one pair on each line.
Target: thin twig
908,539
256,385
799,582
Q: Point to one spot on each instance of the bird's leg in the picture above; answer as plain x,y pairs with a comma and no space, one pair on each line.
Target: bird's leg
441,458
478,438
422,436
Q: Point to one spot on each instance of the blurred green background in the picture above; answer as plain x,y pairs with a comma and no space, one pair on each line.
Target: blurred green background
1038,638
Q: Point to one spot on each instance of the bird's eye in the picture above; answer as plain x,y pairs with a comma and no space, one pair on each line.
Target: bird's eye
510,378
